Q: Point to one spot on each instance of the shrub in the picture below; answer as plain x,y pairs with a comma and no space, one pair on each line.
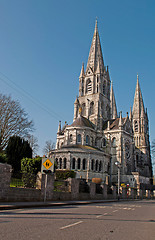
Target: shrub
29,168
64,174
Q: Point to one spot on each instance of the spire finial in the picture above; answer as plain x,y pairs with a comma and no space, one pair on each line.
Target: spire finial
137,77
96,23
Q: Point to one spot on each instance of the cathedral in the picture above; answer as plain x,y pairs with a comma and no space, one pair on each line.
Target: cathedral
100,139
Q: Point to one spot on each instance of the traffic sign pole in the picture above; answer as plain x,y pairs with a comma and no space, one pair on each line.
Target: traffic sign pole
45,187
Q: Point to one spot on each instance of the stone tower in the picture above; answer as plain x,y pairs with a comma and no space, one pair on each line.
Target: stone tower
94,86
141,133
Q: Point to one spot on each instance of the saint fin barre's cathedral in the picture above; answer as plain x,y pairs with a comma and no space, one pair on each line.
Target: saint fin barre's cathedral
98,136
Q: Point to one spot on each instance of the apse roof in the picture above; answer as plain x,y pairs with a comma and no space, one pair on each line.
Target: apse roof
82,122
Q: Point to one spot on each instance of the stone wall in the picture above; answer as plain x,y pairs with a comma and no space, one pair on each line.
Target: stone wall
5,177
8,193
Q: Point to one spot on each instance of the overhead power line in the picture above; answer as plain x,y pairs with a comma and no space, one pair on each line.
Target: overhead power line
35,101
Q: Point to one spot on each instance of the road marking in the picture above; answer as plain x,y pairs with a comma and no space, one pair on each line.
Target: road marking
71,225
115,210
100,207
99,216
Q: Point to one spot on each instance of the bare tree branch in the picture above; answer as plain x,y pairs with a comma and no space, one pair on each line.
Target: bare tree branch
13,120
49,145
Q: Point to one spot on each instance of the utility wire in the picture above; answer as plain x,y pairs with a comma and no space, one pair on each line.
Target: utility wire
34,100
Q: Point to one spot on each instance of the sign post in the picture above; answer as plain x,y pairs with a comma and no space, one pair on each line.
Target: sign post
47,167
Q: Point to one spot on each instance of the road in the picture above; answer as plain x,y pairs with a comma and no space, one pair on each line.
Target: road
117,220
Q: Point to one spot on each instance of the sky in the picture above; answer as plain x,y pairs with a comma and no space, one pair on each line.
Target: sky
43,44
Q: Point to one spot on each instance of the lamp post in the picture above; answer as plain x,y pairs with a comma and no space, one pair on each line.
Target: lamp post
118,166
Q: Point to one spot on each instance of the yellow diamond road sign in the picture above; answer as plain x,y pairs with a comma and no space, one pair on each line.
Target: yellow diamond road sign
47,164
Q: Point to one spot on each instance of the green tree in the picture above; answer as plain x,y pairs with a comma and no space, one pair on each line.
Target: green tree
17,149
30,168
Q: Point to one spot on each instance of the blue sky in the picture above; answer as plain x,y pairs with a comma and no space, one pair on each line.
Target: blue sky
43,45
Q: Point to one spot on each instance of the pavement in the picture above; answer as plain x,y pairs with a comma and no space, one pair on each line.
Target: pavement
18,205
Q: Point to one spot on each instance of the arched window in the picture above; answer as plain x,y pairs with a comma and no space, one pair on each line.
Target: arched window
91,108
60,163
84,164
104,87
82,87
114,142
100,166
136,126
79,138
104,142
83,109
96,166
73,163
87,140
71,138
88,86
65,161
108,90
79,163
92,165
56,162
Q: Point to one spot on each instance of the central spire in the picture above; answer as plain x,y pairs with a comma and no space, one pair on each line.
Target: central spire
95,55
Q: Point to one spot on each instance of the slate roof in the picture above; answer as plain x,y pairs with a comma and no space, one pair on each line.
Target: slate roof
114,124
82,122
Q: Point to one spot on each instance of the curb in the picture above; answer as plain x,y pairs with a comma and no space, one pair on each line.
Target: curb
57,204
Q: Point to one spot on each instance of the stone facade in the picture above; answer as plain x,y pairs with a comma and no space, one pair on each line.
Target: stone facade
98,136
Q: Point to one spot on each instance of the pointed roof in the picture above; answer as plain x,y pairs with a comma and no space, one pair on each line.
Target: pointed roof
82,122
95,53
113,103
138,105
82,71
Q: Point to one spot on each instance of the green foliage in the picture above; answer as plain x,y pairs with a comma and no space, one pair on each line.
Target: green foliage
3,158
64,174
17,149
29,168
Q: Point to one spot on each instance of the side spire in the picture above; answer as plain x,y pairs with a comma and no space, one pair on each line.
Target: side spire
138,105
82,71
95,53
113,103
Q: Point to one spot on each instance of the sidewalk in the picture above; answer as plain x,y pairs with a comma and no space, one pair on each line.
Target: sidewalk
18,205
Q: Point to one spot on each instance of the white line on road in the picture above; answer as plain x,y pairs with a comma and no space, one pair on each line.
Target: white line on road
115,210
71,225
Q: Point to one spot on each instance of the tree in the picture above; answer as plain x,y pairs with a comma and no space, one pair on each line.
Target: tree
153,152
30,168
33,141
17,149
13,120
49,145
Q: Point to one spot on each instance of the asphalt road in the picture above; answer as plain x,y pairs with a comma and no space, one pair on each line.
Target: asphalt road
117,220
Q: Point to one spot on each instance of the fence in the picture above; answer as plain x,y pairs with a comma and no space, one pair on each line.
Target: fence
23,180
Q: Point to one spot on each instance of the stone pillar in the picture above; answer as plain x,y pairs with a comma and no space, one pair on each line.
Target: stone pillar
131,193
114,192
148,194
104,186
49,187
5,178
124,193
75,188
92,190
139,193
